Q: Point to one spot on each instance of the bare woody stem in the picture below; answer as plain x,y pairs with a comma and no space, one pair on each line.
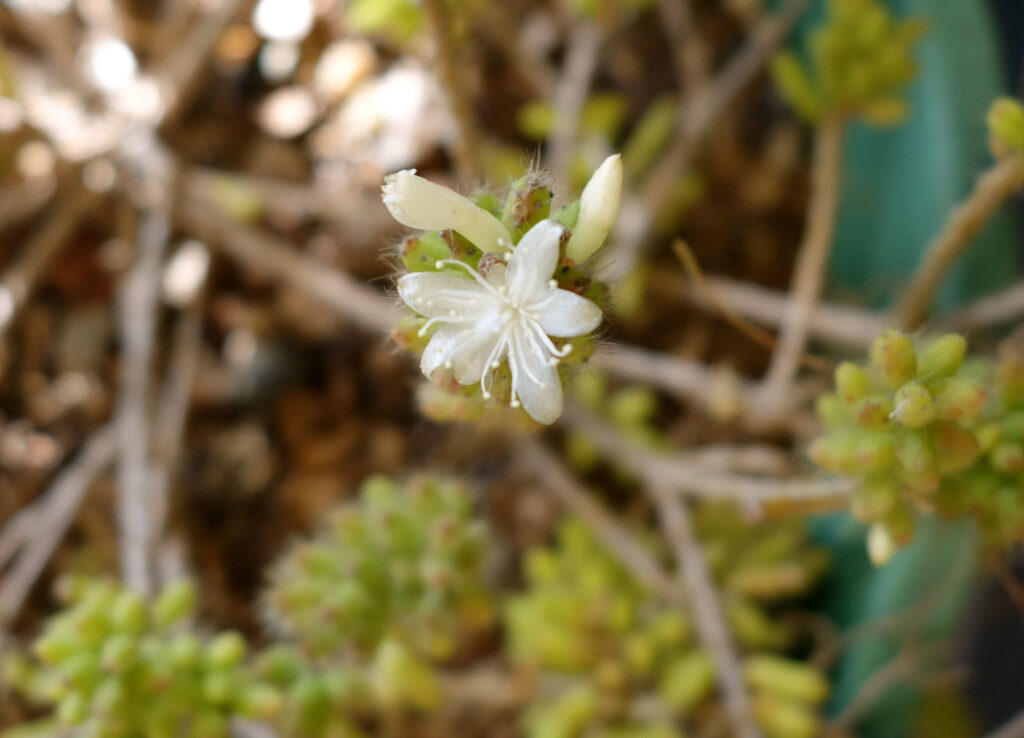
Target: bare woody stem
811,260
712,631
991,190
466,147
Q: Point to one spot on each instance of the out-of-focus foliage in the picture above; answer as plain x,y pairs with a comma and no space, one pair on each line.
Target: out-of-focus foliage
627,664
117,666
926,431
1006,126
402,563
861,62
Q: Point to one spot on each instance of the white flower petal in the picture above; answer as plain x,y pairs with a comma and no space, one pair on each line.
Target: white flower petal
418,203
599,206
537,383
533,262
440,295
566,314
470,358
445,342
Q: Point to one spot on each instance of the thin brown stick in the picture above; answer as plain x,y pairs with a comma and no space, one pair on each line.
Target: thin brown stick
37,254
709,619
991,190
707,387
811,260
54,512
737,321
466,146
262,252
681,473
557,480
571,94
840,325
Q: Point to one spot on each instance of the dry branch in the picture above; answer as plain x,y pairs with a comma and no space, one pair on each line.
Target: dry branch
560,483
680,472
710,622
138,307
991,190
264,253
811,262
52,514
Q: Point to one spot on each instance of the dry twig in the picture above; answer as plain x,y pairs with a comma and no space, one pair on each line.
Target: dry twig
560,483
811,263
712,631
139,300
681,473
264,253
991,190
841,325
52,514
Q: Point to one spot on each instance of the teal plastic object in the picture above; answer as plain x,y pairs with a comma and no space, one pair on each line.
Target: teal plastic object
899,186
901,183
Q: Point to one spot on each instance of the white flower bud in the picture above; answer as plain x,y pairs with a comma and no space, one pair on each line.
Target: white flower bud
599,206
418,203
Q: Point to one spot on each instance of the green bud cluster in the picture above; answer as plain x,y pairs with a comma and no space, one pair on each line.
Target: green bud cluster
117,666
992,489
1006,126
390,587
923,430
861,62
626,663
404,562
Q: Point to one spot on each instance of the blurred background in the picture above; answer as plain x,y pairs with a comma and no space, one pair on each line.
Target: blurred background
196,274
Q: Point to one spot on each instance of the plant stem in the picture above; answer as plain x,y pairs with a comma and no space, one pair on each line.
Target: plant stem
991,190
712,631
811,261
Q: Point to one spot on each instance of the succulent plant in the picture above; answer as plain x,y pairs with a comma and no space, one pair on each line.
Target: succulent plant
621,663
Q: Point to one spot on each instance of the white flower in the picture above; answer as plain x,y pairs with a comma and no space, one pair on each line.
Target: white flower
509,315
419,203
599,206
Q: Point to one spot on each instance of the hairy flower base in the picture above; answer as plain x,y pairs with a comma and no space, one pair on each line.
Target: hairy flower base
508,316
